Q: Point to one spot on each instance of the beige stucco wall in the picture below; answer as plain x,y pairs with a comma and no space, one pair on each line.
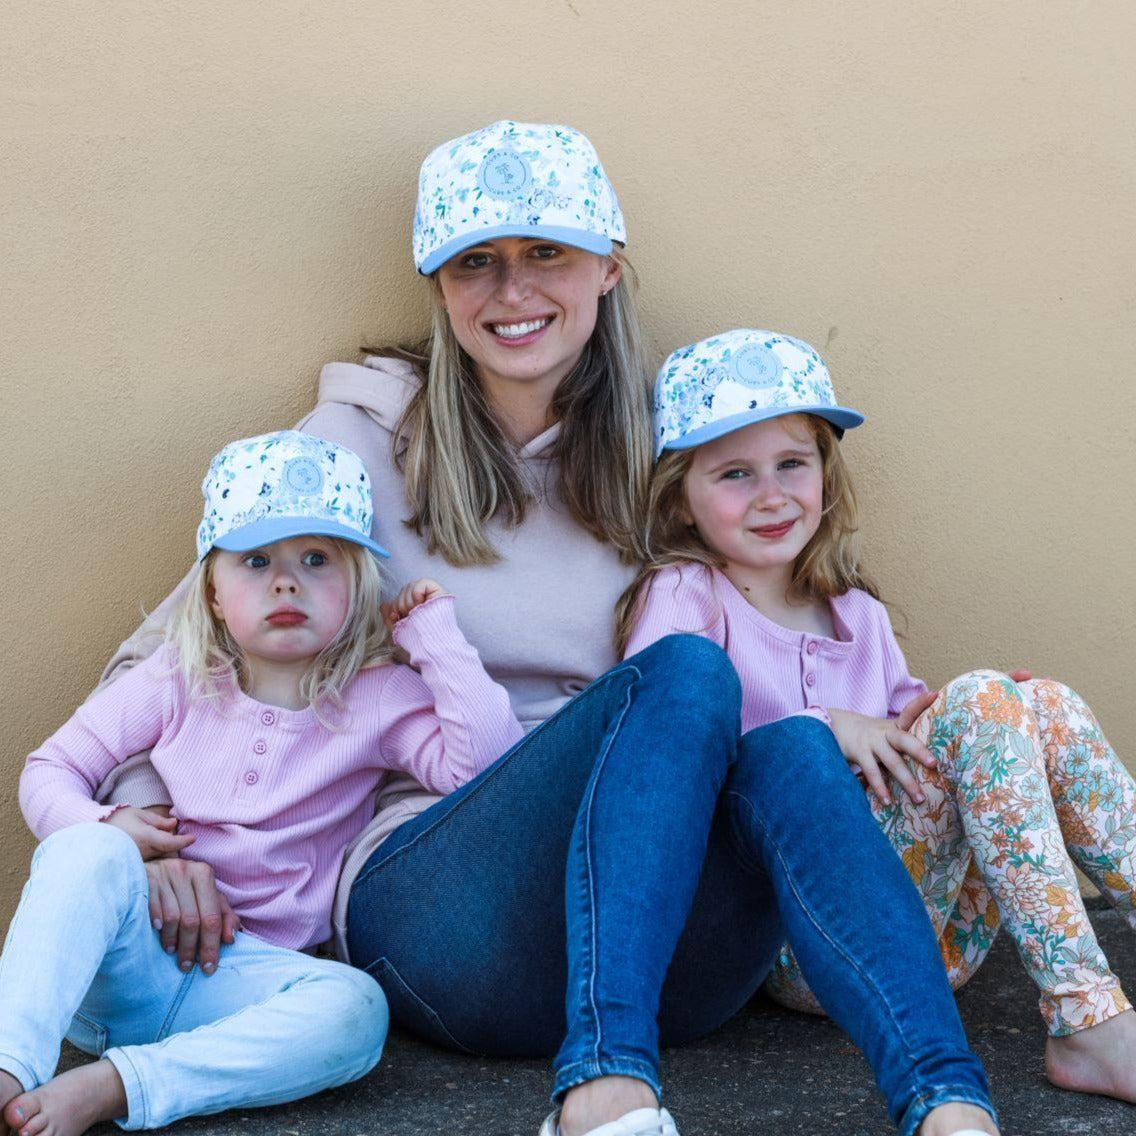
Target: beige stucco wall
203,201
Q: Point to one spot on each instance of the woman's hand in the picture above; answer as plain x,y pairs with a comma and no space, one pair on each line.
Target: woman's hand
878,746
155,833
191,916
412,596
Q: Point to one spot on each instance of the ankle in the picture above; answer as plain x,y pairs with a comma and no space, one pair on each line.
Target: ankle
601,1101
956,1117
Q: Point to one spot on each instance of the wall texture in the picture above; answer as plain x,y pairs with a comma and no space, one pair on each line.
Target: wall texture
202,202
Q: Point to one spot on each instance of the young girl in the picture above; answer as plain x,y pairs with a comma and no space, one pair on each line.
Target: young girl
274,711
752,544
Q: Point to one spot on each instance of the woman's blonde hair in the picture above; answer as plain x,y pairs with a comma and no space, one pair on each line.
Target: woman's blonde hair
214,664
461,471
829,565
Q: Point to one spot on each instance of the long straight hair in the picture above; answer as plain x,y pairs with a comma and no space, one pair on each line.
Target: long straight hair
829,565
461,470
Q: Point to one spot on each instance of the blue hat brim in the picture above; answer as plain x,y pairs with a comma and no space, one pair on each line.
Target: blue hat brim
840,417
598,243
271,529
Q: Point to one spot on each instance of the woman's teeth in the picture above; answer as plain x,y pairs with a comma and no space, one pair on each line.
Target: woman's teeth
516,330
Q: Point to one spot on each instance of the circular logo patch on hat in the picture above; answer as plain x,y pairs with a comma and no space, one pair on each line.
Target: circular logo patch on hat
504,174
756,366
302,475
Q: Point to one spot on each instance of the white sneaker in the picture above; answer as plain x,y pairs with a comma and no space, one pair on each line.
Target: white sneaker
641,1122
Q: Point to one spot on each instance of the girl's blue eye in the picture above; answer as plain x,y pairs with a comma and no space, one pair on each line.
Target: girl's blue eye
545,252
733,474
256,560
475,260
315,559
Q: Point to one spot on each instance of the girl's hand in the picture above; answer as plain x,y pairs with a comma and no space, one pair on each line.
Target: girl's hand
877,746
412,596
156,835
190,915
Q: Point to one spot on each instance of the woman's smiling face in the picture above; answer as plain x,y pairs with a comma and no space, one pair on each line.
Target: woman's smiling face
524,308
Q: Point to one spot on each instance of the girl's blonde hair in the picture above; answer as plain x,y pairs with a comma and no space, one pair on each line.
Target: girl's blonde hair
214,664
829,565
461,471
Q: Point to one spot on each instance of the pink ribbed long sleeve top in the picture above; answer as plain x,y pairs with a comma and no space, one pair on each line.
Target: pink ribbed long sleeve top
271,795
782,671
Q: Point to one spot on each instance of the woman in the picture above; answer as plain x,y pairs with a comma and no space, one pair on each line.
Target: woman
631,826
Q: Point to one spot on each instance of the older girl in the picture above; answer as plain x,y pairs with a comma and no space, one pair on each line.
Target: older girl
627,872
753,544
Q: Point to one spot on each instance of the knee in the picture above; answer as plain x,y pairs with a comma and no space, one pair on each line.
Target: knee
980,695
799,754
354,1020
93,853
698,671
1051,697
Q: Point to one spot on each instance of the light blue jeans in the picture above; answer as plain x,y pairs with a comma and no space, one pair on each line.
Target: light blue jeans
82,960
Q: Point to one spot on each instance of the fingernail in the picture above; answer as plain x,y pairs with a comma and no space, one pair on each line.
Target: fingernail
157,924
187,967
208,967
170,950
20,1114
920,799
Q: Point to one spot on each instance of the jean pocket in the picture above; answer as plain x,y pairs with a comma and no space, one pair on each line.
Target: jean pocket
411,1011
86,1034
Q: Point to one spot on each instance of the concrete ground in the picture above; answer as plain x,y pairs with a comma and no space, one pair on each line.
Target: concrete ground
768,1071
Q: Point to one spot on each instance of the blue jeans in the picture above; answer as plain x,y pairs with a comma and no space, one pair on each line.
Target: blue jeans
81,959
672,859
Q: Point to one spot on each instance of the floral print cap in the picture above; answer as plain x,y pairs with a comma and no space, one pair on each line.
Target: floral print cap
260,490
737,378
514,179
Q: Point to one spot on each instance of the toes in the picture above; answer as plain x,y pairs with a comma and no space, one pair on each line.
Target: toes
22,1112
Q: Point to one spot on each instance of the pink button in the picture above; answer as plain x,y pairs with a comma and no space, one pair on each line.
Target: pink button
259,747
812,647
268,717
252,777
810,679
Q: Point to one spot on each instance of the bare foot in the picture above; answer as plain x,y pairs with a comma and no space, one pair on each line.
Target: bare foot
1100,1059
69,1104
597,1102
10,1088
956,1117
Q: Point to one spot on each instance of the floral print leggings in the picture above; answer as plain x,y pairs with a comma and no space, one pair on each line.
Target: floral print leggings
1024,773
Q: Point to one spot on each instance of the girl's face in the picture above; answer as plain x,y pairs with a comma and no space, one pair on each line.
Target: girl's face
756,495
285,602
523,309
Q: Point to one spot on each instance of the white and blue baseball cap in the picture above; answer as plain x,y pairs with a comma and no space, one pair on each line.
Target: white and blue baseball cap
275,486
514,179
731,380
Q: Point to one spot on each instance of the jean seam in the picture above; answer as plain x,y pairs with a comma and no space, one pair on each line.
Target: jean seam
579,1072
586,806
116,1056
496,767
175,1005
820,930
383,963
935,1096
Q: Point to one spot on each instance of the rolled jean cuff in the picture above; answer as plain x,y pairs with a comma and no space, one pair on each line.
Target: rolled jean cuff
16,1068
932,1098
132,1084
581,1071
